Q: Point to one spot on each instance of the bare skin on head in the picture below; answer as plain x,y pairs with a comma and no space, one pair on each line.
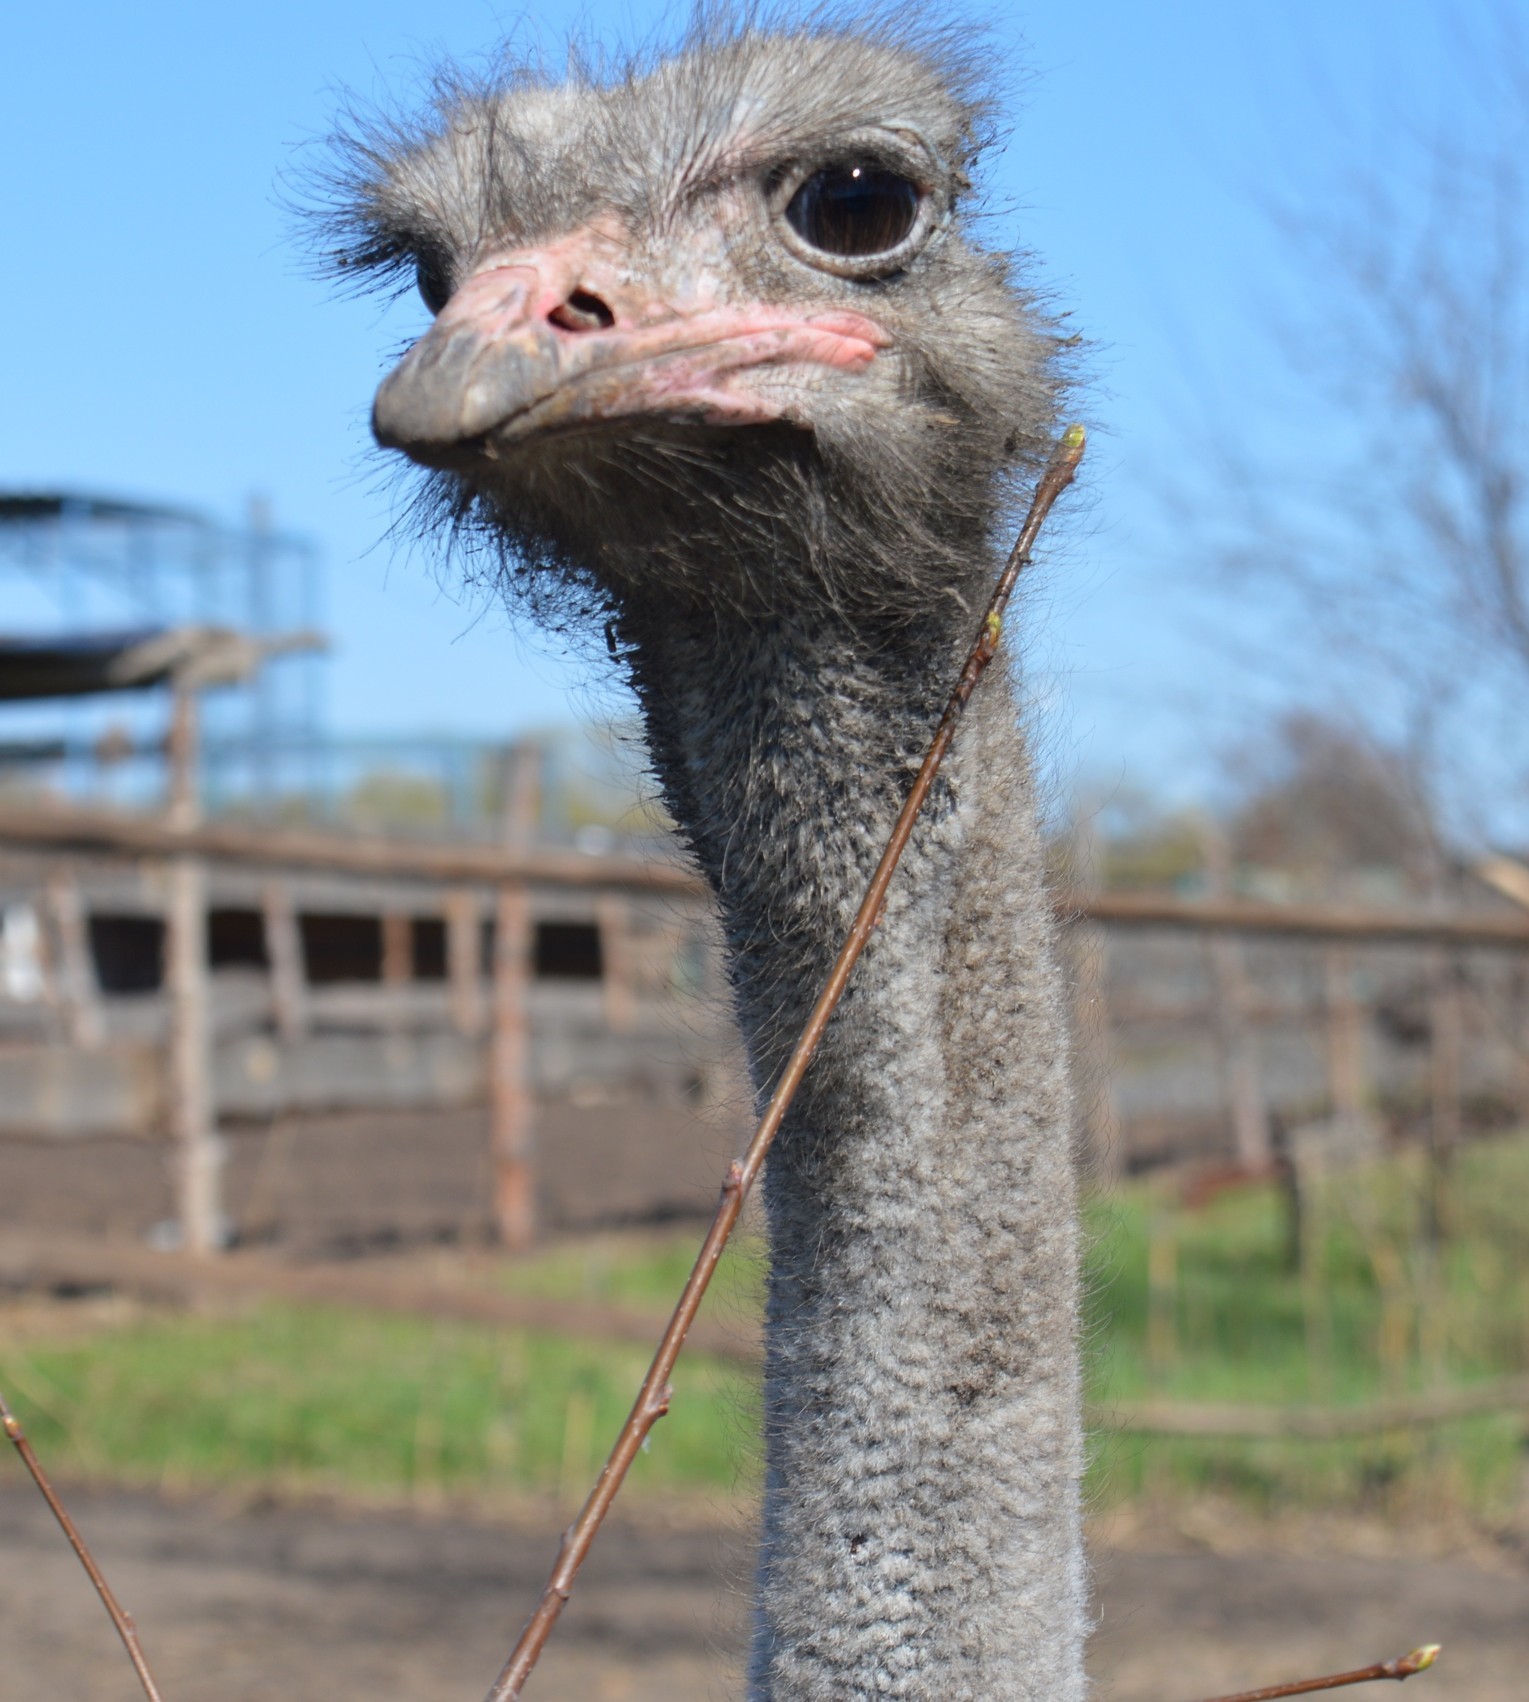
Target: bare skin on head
715,358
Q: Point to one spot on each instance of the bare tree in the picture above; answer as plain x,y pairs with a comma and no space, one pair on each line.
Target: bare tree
1319,798
1394,554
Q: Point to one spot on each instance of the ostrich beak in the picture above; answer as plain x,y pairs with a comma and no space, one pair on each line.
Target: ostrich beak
563,338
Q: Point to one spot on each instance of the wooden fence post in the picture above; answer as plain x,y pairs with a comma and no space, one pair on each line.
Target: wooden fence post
614,922
397,948
191,1114
1100,1134
1445,1070
284,953
74,982
1103,1138
510,1102
1348,1087
464,960
512,1108
397,964
1238,1043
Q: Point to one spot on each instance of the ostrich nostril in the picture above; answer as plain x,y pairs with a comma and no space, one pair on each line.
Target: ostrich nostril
582,312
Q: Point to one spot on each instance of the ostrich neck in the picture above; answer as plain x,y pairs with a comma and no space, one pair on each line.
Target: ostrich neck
921,1529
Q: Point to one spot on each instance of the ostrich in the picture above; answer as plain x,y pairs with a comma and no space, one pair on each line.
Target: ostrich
715,362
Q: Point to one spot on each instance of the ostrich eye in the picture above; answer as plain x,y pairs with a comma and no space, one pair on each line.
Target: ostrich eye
434,284
853,211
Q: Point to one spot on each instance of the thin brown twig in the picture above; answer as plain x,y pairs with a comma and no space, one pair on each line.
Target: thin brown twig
1418,1661
120,1617
653,1398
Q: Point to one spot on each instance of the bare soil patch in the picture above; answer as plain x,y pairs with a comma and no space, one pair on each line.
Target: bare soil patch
278,1602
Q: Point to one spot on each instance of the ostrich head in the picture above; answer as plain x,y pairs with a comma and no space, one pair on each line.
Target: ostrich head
714,328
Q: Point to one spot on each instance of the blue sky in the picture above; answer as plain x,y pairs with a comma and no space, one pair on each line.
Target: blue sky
164,340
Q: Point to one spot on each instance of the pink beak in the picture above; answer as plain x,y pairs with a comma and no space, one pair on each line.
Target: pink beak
563,336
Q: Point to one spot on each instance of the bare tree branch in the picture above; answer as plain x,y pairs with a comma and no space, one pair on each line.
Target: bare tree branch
120,1617
1391,550
1405,1667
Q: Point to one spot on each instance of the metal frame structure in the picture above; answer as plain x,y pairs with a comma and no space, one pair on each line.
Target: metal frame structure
82,562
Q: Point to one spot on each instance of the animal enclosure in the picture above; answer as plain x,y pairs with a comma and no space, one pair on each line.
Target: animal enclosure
1229,1034
354,974
334,974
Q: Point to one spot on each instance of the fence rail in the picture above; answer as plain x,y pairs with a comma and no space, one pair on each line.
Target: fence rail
55,827
183,844
1309,921
501,876
51,827
1313,1423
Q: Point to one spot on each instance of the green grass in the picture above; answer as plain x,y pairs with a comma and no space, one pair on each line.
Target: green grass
640,1271
1184,1305
338,1400
1207,1305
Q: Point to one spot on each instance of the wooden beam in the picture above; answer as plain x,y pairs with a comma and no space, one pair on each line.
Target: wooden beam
1312,1423
1315,921
56,827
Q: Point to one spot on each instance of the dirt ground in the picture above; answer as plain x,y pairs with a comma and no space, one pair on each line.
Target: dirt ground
298,1604
307,1604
